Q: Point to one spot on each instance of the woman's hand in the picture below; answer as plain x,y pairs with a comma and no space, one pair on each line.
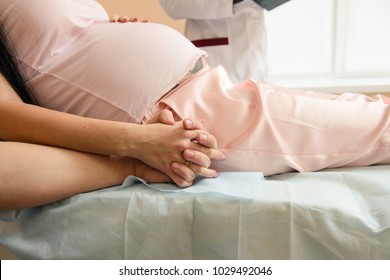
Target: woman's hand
149,174
188,152
124,19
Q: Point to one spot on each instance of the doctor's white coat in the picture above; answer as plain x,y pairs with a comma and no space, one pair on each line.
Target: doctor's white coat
234,36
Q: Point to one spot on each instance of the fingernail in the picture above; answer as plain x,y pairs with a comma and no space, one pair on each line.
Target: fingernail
188,123
190,154
203,137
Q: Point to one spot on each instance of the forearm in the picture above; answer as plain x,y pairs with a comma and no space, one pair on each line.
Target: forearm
33,175
32,124
157,145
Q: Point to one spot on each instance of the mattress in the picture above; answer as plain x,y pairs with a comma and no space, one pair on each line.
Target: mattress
333,214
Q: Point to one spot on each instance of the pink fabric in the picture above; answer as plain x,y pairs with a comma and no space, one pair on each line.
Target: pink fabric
78,62
274,130
41,29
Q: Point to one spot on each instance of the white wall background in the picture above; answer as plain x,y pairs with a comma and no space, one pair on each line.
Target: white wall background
331,44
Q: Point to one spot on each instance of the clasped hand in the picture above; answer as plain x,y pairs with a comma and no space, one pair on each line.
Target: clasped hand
180,149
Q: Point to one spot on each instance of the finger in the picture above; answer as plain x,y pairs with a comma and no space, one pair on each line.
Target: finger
165,116
114,18
183,176
123,18
203,138
207,140
213,154
197,170
197,158
191,124
203,171
199,163
205,143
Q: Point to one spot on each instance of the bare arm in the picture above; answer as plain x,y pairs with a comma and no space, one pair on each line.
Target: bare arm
157,145
33,175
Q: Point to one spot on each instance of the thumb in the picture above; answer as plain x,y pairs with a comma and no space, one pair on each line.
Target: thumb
165,117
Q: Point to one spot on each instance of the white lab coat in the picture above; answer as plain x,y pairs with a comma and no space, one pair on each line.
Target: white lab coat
242,25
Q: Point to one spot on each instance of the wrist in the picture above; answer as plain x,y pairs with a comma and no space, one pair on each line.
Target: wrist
122,167
128,137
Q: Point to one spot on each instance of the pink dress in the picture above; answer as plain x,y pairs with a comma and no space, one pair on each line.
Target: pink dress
79,63
275,130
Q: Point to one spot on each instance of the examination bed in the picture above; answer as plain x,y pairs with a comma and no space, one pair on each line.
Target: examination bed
332,214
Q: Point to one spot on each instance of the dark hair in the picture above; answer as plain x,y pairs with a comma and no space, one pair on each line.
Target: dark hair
9,69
